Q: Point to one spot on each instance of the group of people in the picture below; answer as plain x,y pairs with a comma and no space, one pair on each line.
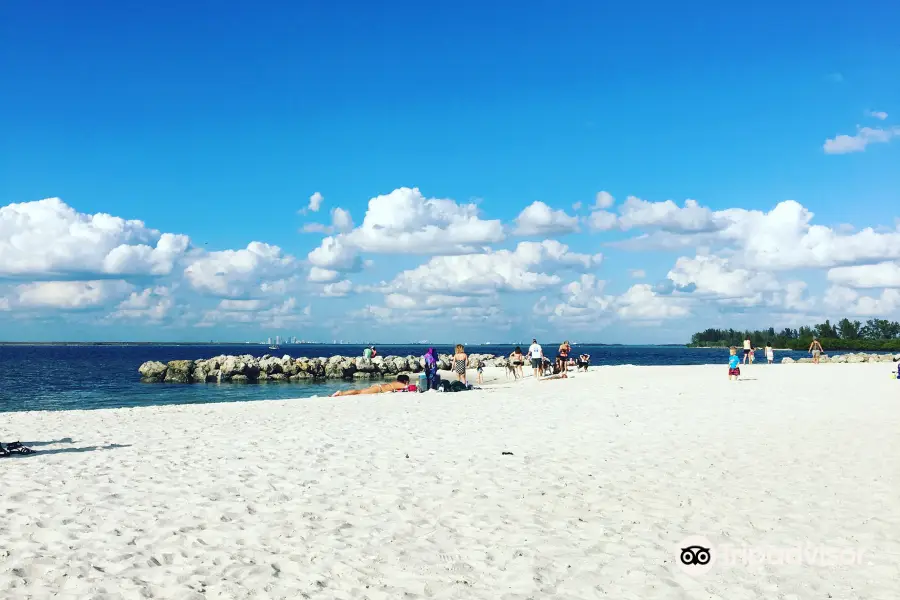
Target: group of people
542,367
734,361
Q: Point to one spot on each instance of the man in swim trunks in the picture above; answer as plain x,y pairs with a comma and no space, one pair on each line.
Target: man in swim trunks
537,358
401,384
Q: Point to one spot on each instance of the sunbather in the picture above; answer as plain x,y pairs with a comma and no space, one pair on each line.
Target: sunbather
401,385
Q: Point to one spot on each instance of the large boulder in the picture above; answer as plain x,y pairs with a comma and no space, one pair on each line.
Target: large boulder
342,369
885,358
179,371
787,360
231,366
152,371
200,373
365,365
856,358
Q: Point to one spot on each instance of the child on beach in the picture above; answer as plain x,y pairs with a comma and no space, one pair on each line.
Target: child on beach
480,370
734,369
770,354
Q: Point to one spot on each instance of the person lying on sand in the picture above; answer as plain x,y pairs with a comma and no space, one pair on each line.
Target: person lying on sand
561,375
402,384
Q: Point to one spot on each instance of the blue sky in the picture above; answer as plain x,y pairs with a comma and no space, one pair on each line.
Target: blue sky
217,124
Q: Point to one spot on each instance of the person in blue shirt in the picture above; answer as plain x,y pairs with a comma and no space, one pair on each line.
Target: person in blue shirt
734,369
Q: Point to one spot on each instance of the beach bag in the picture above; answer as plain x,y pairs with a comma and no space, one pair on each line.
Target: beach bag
458,386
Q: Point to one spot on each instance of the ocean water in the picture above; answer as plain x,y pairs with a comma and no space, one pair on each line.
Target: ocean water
69,377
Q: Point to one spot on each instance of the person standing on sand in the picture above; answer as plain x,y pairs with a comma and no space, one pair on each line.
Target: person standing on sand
748,345
770,353
460,362
816,349
734,364
537,358
518,361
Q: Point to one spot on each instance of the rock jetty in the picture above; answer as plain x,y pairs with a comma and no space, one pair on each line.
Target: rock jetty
858,357
248,368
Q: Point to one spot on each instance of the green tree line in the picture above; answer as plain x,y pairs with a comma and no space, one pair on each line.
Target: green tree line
874,335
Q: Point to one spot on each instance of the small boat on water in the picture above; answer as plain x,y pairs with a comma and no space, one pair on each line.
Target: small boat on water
274,347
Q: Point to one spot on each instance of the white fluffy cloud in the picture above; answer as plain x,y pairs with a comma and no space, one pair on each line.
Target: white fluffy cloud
71,295
539,219
406,222
320,275
881,275
341,221
666,215
640,302
489,272
844,144
150,304
585,302
48,238
230,312
234,273
781,239
877,114
714,276
338,289
603,200
315,202
851,302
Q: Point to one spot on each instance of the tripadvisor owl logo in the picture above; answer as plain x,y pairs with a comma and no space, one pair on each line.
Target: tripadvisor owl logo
696,555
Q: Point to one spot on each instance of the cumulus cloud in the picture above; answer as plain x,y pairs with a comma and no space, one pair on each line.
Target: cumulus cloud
341,221
601,220
640,302
334,254
714,276
667,216
71,295
880,275
315,202
406,222
320,275
235,273
150,304
256,312
851,302
49,239
336,290
780,239
603,200
844,144
518,270
877,114
539,219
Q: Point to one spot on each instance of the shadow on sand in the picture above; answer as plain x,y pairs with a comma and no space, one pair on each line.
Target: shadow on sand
64,450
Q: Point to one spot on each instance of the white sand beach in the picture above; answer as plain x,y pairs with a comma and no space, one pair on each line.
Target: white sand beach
407,496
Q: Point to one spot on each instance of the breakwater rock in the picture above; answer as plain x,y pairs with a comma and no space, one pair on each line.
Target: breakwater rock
858,357
248,368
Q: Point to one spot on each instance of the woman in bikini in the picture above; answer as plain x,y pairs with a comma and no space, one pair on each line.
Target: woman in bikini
460,361
518,361
401,384
562,357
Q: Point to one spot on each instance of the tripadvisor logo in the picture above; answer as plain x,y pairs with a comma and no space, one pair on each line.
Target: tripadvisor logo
697,555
